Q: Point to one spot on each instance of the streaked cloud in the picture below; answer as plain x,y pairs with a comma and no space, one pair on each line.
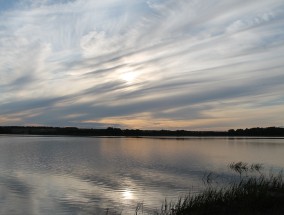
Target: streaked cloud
144,64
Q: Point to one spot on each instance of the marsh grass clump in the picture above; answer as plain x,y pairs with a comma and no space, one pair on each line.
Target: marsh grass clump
242,167
256,194
253,192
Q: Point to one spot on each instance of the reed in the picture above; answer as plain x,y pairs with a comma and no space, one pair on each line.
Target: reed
251,194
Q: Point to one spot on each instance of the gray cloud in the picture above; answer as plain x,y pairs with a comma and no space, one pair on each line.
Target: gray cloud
98,63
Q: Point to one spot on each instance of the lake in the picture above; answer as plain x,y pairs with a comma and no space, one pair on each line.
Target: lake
86,175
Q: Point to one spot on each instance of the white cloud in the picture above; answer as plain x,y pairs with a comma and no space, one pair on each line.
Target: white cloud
137,56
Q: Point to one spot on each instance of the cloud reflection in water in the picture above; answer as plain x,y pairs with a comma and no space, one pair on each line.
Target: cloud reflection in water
71,175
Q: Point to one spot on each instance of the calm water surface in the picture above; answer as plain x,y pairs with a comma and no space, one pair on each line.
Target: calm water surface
80,175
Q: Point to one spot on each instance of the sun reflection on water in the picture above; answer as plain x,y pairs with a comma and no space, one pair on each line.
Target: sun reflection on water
127,194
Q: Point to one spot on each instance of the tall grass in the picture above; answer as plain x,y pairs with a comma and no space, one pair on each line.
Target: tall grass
252,194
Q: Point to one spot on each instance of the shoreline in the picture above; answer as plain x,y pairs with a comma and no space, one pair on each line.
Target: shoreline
269,132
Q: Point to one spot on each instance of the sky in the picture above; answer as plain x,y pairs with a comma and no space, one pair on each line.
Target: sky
143,64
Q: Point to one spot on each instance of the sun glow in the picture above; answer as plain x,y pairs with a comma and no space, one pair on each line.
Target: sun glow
129,77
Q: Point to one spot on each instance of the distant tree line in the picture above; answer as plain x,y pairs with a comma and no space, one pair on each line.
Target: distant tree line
110,131
269,131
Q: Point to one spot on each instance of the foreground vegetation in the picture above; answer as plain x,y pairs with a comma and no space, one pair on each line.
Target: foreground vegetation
253,193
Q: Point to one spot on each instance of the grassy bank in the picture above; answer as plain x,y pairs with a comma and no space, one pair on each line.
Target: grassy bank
250,192
254,193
